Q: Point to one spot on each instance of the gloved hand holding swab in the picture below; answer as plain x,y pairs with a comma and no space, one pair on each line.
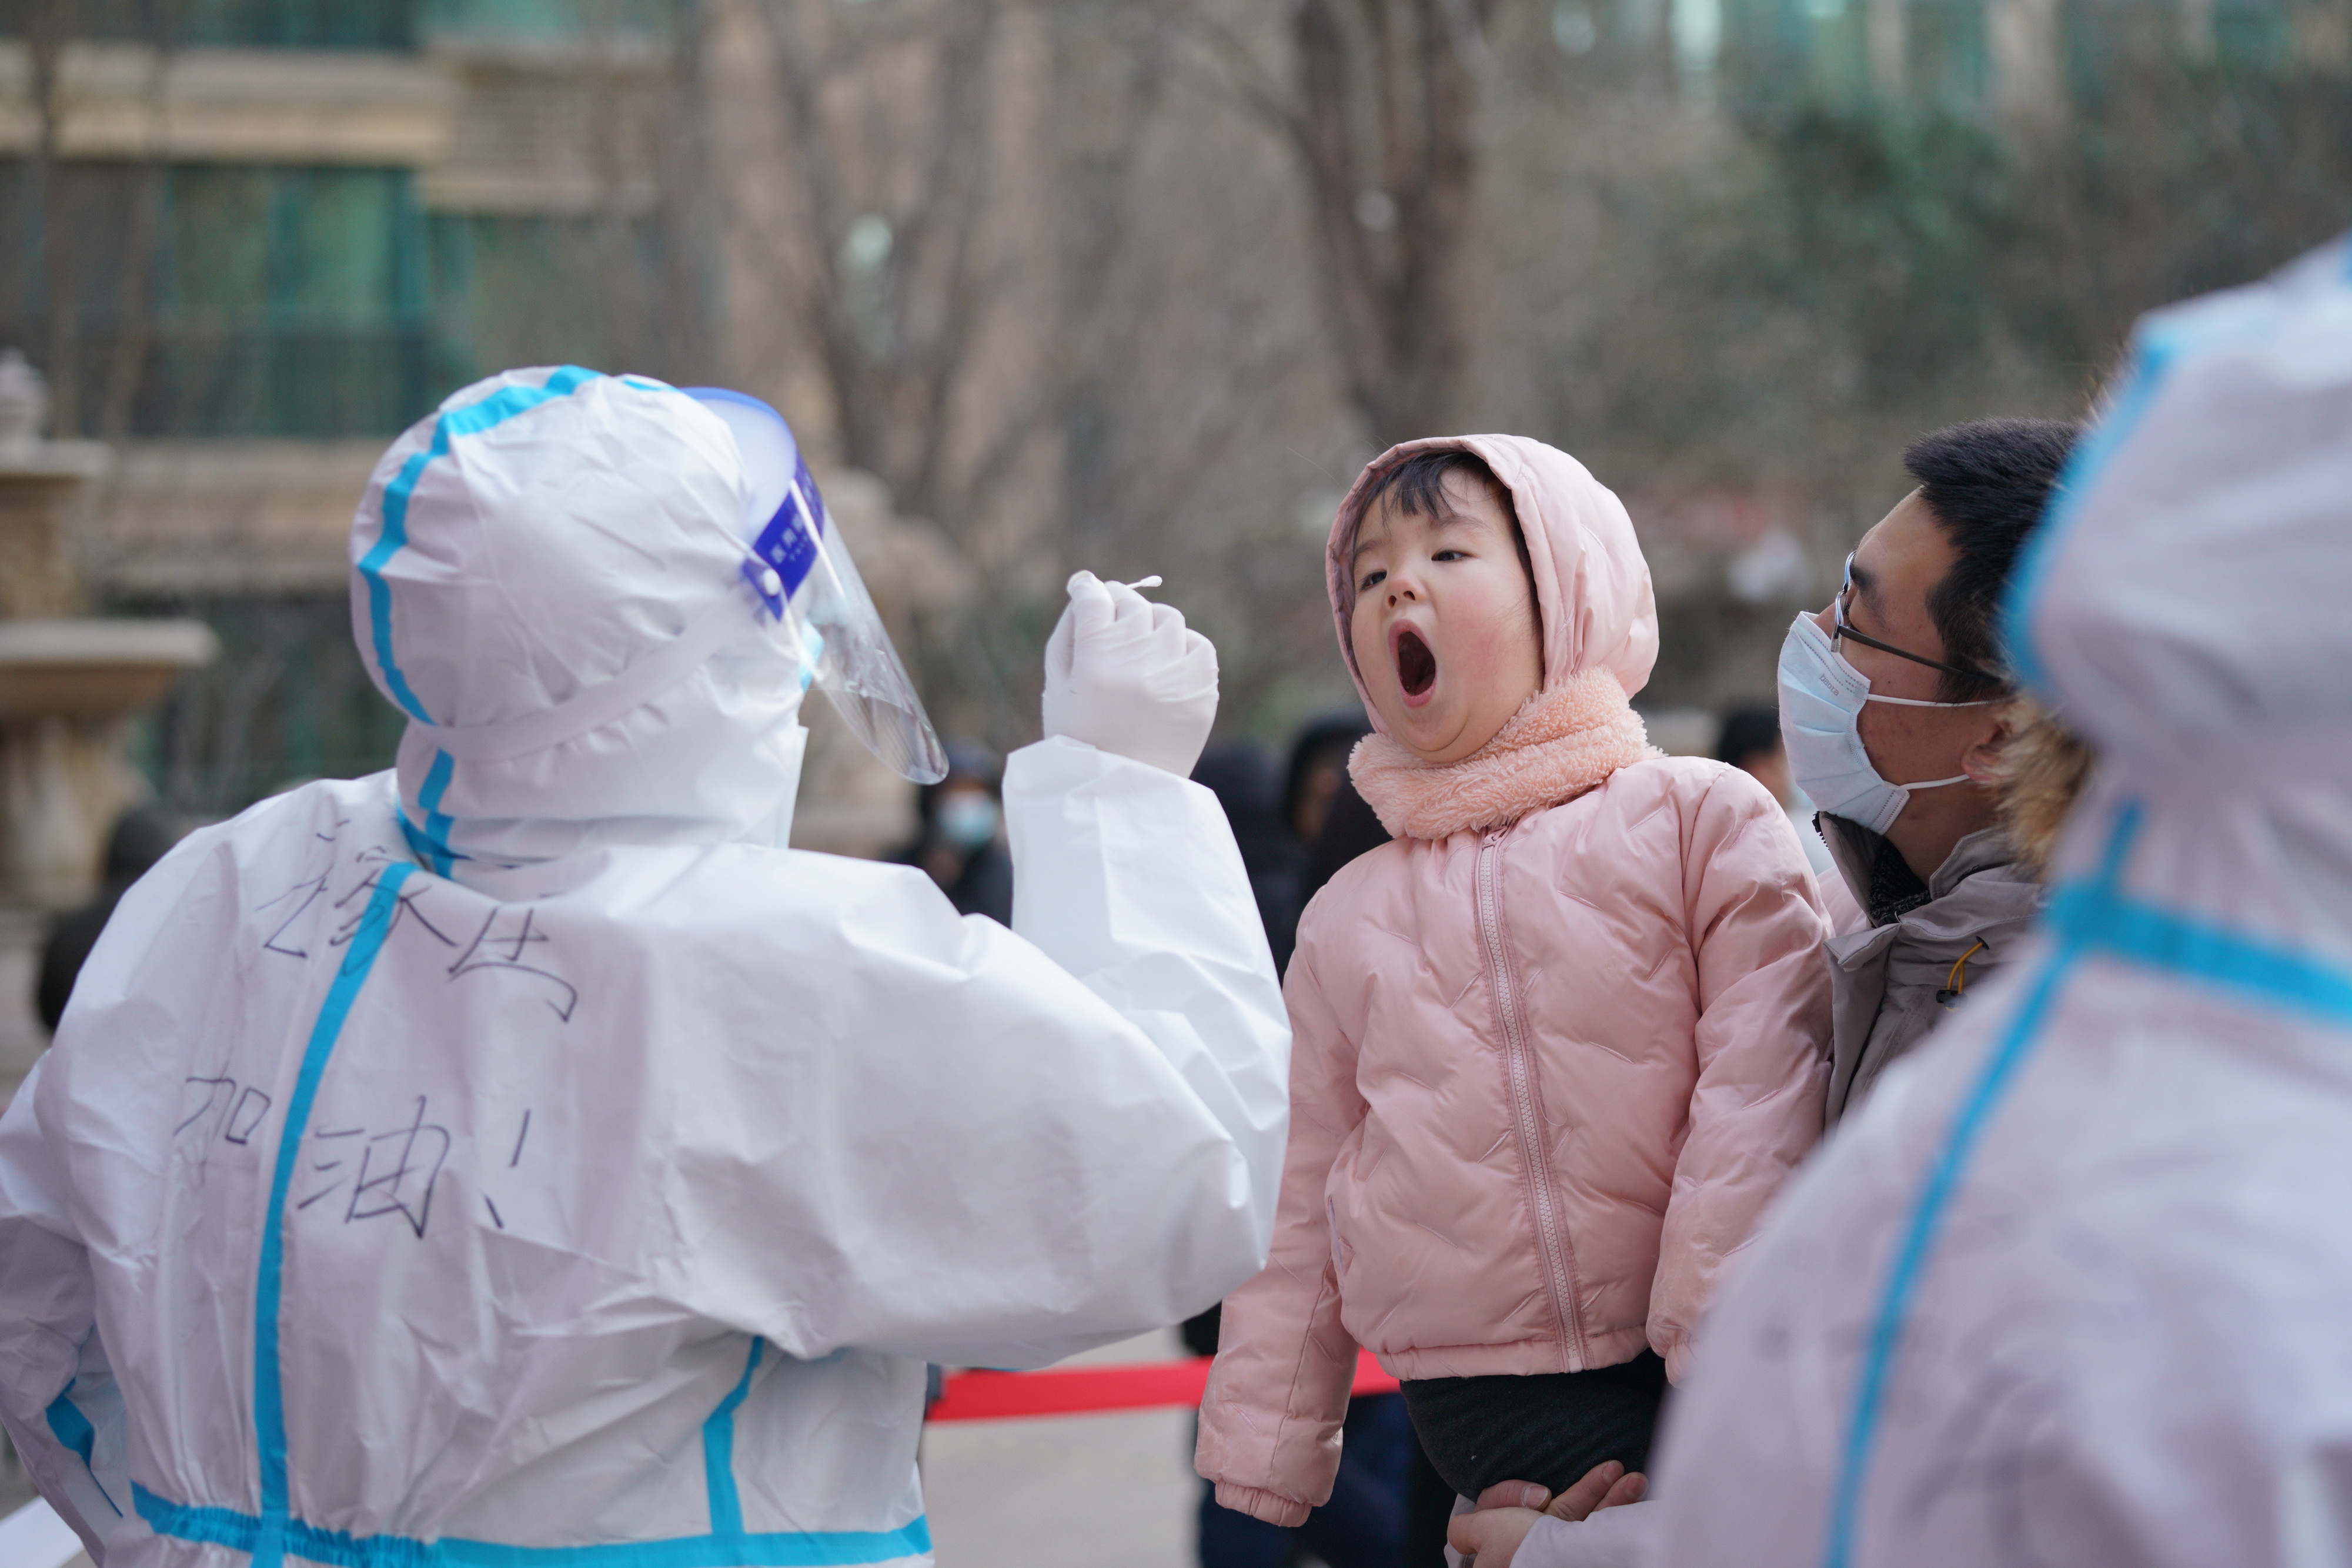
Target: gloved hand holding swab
1126,675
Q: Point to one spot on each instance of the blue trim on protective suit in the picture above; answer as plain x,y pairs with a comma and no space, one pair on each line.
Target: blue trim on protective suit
274,1528
807,1549
2141,933
471,420
433,852
432,842
2085,919
70,1427
719,1451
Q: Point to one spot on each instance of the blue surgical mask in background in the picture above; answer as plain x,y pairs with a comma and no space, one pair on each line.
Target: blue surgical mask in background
967,817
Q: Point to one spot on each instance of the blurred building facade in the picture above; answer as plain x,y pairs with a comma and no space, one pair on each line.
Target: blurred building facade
1731,252
2021,57
1944,203
248,240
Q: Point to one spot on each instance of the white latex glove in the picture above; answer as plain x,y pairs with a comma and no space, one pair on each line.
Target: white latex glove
1612,1538
1124,674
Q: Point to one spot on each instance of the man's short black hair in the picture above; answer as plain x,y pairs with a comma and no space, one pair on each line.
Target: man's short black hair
1986,484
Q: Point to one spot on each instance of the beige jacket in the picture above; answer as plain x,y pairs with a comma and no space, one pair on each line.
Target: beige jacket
1894,982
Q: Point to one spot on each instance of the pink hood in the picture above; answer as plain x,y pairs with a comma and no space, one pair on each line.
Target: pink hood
1553,1052
1592,584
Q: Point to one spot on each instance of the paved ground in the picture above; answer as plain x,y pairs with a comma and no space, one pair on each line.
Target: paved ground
1074,1492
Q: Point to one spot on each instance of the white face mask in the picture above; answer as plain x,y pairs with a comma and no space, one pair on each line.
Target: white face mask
1821,698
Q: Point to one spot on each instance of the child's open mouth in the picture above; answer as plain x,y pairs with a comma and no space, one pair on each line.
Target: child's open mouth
1416,665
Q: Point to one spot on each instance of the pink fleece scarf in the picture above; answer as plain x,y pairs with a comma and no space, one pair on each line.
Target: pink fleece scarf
1567,739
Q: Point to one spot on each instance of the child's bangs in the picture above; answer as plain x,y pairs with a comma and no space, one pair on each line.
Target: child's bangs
1416,486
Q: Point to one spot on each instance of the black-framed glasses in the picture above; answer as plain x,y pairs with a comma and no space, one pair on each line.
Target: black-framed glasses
1845,629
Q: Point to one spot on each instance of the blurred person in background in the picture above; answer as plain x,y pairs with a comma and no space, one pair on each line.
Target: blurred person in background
140,837
1318,774
1351,829
1242,776
1751,741
1366,1521
1333,819
962,839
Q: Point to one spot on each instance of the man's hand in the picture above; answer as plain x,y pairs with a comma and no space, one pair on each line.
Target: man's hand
1124,674
1605,1485
1508,1510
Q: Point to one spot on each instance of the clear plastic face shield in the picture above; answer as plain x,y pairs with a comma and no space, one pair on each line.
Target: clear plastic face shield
803,575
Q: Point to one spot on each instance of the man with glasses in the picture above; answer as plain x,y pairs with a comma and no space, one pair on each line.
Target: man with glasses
1895,704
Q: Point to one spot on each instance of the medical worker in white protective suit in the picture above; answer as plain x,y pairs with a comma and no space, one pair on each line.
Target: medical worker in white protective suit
519,1158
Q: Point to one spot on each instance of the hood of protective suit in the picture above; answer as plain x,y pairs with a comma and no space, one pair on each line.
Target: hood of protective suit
2184,608
1592,585
2220,479
545,578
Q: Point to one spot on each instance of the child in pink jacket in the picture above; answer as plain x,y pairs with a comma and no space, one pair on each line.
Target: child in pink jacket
1556,1045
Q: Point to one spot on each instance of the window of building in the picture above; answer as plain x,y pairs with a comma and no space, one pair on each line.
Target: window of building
233,300
239,24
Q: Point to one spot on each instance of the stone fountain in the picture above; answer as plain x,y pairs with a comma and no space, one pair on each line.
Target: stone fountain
71,687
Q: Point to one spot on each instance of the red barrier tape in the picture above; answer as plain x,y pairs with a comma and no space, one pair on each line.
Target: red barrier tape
1074,1390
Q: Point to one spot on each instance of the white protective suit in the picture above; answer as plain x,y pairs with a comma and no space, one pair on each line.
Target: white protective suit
596,1202
2074,1289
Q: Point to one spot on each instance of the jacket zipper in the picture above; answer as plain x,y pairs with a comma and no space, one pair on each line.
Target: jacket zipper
1560,1262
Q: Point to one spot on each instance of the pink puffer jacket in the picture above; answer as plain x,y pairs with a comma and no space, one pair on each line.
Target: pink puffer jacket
1555,1048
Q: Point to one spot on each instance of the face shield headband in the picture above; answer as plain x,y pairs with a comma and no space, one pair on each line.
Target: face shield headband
802,574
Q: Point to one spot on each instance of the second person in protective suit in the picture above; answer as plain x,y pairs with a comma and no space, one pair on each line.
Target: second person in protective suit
521,1153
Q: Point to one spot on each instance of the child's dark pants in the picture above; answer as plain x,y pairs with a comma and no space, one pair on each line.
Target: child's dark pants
1550,1428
